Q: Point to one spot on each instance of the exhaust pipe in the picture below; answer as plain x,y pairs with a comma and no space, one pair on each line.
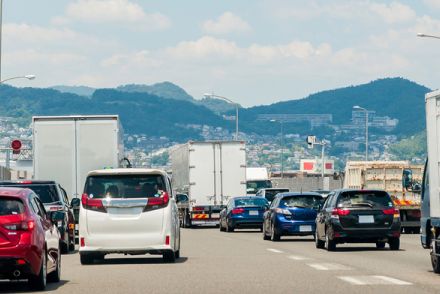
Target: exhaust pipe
16,273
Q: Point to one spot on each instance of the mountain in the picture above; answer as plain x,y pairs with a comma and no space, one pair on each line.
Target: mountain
154,115
141,113
165,89
394,97
78,90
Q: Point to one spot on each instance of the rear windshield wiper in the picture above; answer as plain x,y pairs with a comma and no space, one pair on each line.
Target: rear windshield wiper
362,204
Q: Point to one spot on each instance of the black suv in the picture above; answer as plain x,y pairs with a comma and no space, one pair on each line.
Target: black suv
358,216
54,198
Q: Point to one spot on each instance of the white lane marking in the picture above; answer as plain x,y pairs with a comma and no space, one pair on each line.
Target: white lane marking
274,250
329,266
297,257
373,280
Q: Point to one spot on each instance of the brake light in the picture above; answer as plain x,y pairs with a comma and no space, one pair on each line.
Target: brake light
391,211
24,182
340,212
237,210
82,242
167,240
92,204
21,226
157,202
21,261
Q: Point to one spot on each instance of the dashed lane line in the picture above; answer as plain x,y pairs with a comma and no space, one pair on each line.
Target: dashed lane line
274,250
298,257
373,280
329,266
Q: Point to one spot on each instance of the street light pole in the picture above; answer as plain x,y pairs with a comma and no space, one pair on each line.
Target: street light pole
210,95
356,107
282,145
427,36
29,77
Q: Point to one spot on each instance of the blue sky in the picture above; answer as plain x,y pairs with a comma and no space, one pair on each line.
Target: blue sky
255,52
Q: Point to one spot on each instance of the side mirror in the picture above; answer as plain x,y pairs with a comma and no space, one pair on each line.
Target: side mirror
75,202
56,216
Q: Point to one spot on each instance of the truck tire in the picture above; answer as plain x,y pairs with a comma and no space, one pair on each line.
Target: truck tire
187,222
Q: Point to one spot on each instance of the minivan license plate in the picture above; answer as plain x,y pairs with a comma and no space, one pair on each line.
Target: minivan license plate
366,219
253,212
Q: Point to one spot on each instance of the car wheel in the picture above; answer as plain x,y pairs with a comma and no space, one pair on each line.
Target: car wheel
274,235
169,257
55,276
229,228
318,243
435,260
394,243
265,236
380,245
330,245
38,282
222,228
86,258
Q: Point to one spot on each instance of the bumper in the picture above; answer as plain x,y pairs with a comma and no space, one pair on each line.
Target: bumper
246,222
369,235
296,227
12,268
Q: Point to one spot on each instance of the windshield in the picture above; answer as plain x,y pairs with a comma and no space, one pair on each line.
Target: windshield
243,202
46,192
365,199
10,206
270,194
125,186
253,186
302,201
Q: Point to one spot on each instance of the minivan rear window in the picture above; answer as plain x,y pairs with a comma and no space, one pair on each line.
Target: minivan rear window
125,186
10,206
364,199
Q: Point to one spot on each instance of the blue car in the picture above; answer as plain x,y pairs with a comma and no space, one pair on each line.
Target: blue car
243,212
291,214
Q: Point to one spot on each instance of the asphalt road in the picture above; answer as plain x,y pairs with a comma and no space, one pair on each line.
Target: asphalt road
242,262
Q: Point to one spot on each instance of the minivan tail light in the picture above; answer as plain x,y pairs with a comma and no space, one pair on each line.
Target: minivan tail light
92,204
237,210
154,203
391,211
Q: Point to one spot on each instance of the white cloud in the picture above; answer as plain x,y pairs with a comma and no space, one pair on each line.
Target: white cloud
121,12
226,23
435,4
394,12
204,47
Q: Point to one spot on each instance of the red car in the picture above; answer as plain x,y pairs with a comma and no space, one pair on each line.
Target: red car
29,239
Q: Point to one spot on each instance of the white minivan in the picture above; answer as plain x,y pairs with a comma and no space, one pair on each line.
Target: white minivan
128,211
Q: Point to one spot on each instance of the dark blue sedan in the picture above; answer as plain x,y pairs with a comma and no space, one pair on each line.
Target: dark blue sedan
291,214
243,212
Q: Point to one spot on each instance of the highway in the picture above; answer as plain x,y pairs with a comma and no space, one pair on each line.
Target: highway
242,262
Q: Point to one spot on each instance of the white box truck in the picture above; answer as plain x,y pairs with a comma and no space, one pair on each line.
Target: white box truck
400,179
430,221
210,173
66,148
257,178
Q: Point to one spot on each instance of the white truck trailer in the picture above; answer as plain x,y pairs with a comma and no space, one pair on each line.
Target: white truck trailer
430,222
210,173
66,148
399,178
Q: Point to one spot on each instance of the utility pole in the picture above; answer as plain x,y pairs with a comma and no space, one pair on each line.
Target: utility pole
311,142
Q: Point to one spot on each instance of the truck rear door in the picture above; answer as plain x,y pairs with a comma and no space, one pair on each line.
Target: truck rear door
232,170
54,152
97,141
